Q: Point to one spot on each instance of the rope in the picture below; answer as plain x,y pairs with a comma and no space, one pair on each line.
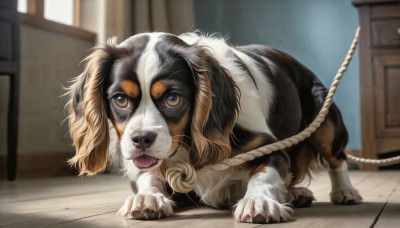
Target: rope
182,176
378,162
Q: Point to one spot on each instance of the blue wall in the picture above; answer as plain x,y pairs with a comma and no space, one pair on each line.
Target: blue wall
316,32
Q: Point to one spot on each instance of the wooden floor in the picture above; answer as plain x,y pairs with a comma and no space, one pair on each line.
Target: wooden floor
94,202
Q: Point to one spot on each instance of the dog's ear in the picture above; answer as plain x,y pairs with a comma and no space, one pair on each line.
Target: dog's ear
216,107
87,109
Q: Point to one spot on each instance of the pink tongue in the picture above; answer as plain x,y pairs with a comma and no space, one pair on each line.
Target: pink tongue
144,161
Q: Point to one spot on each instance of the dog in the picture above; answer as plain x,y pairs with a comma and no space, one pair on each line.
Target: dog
198,99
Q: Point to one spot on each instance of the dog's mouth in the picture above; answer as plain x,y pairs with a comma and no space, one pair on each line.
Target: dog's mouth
145,161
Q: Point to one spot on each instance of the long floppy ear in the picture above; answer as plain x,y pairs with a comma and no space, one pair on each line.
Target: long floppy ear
88,112
215,109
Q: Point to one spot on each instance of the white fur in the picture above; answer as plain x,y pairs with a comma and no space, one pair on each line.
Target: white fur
150,202
343,191
222,189
264,200
147,117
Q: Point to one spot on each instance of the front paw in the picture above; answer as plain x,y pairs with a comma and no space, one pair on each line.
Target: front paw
147,206
300,197
348,196
261,210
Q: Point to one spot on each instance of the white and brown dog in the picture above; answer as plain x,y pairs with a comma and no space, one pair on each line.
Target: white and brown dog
197,99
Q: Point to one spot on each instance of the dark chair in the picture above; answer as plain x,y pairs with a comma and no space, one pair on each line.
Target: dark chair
9,66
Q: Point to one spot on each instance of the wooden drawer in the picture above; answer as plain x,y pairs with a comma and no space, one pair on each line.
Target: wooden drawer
386,33
387,93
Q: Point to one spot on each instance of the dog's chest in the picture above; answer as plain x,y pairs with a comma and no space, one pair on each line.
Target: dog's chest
223,188
217,189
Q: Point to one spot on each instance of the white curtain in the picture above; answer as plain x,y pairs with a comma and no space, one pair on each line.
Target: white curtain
123,18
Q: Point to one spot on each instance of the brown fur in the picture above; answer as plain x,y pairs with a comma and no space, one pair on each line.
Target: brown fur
88,118
256,142
177,132
130,88
304,161
322,141
161,171
258,169
211,145
158,89
306,156
119,127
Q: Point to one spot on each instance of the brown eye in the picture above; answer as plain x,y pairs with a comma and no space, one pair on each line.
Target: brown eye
121,101
173,100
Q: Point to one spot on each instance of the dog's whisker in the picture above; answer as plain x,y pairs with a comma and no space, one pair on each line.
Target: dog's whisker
180,143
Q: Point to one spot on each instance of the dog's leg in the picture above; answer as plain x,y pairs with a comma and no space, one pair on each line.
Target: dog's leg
303,160
343,191
150,201
265,198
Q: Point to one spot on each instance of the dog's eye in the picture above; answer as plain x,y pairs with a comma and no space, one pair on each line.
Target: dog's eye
121,101
173,100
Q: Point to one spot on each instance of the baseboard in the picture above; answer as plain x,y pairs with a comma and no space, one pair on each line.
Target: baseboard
39,165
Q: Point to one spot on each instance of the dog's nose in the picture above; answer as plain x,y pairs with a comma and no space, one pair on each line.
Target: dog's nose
144,139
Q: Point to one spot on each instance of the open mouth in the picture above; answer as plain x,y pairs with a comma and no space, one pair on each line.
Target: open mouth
145,161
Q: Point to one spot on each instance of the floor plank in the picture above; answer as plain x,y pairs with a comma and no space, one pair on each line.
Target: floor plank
391,212
322,213
94,202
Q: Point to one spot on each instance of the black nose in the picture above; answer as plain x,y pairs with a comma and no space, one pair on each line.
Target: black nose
144,139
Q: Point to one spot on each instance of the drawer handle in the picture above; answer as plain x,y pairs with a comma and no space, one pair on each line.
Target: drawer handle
398,31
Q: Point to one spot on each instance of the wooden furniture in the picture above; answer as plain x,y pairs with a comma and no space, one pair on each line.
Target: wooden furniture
379,76
9,66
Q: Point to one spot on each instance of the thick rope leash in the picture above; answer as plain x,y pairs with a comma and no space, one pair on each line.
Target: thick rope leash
182,176
377,162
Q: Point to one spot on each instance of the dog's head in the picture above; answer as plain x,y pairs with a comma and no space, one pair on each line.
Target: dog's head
160,94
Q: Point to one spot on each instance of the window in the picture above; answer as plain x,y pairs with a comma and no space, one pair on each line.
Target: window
23,6
61,11
56,15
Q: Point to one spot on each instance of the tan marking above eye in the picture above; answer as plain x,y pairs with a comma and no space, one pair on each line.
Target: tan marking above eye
130,88
158,88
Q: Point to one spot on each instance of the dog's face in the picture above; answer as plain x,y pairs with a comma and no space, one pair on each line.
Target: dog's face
151,103
160,94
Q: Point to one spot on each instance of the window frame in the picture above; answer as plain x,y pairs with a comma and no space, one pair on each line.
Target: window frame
35,17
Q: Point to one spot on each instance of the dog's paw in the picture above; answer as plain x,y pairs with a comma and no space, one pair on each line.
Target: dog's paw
147,206
300,197
348,196
262,210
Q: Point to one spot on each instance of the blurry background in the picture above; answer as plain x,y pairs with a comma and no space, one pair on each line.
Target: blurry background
56,35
